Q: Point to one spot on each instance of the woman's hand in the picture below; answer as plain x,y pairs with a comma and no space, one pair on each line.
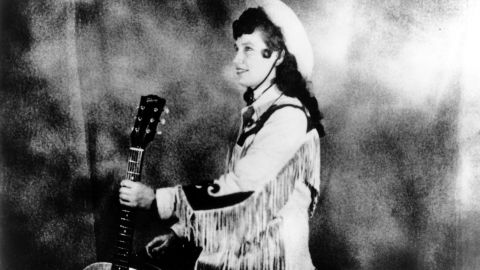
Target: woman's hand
135,194
161,243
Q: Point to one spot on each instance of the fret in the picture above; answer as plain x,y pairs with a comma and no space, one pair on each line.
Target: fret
125,227
122,254
121,258
125,235
134,173
127,215
126,231
126,220
121,262
128,211
123,242
122,248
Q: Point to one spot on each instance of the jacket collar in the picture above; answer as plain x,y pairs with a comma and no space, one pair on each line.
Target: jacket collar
264,101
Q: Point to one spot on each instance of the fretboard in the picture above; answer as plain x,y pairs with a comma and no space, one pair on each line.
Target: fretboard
123,244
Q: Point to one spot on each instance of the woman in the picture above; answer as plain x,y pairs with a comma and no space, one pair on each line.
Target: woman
255,216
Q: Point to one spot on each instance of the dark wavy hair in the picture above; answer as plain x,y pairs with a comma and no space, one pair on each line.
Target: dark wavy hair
288,79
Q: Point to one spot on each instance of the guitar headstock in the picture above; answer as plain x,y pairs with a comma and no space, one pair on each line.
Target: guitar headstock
148,116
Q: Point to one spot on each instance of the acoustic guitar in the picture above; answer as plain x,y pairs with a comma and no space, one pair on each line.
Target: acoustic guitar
143,132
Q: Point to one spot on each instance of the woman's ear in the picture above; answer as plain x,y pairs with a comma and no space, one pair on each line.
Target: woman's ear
280,57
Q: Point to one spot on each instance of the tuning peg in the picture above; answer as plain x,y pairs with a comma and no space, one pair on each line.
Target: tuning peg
163,121
139,118
142,107
159,132
166,110
155,109
152,120
147,131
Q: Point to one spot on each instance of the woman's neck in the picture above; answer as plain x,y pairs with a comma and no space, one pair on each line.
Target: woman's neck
264,86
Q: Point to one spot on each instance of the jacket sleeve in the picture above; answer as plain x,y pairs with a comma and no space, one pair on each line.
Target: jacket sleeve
272,147
166,199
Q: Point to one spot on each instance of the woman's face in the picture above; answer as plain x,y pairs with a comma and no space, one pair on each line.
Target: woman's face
251,66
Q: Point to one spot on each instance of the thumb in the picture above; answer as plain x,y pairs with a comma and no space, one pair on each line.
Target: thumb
155,242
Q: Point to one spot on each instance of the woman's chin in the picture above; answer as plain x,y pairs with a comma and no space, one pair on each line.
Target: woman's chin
246,84
243,84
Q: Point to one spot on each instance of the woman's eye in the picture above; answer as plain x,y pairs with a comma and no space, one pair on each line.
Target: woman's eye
248,49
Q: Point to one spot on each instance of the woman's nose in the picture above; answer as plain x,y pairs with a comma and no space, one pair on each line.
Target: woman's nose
238,59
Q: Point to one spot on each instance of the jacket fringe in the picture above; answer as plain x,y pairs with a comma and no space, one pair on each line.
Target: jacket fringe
242,236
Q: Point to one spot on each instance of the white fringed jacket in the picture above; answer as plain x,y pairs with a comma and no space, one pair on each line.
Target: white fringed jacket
279,166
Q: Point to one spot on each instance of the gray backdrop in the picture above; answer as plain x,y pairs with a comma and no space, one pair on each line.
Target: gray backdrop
394,80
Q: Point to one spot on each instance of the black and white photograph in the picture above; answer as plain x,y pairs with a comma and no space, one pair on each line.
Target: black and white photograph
240,135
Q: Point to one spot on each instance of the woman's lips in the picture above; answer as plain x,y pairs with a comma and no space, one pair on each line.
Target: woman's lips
241,71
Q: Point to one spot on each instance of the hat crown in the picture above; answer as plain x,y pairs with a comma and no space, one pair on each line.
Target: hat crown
294,33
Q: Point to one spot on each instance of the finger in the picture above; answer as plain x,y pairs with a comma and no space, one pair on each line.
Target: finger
147,250
155,250
125,197
157,240
148,247
127,203
134,185
160,248
125,190
126,183
165,242
154,242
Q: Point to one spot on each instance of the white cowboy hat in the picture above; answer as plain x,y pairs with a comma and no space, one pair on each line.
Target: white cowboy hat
293,32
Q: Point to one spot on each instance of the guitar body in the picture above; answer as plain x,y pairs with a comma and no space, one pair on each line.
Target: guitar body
100,266
108,266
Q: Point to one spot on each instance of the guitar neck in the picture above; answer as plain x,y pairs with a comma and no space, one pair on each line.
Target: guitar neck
123,245
134,166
